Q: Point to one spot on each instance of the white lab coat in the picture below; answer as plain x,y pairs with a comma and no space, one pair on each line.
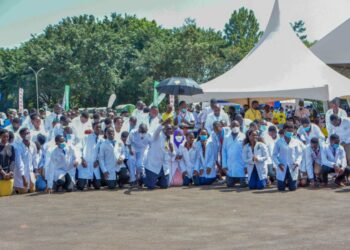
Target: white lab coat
270,143
343,131
188,159
315,132
288,155
152,124
207,161
159,156
261,153
330,159
49,119
108,157
312,157
61,163
26,163
90,147
216,142
232,155
211,118
341,113
80,128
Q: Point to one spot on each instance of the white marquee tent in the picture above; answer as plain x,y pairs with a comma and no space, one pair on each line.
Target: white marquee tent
334,48
279,66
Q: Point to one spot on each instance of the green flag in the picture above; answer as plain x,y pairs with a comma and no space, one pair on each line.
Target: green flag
155,94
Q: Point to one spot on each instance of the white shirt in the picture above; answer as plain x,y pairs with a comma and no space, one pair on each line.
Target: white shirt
211,118
341,113
331,157
80,127
343,130
49,119
315,132
188,159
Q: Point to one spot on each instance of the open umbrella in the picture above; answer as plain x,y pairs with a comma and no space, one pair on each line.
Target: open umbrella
179,86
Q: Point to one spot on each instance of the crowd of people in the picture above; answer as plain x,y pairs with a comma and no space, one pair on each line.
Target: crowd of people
187,145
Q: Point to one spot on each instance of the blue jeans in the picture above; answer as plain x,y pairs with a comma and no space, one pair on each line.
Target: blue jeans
152,179
292,185
255,182
199,181
230,181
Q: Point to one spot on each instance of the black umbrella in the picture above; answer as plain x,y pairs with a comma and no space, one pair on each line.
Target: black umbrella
179,86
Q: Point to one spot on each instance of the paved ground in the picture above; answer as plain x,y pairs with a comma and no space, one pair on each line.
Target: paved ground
178,218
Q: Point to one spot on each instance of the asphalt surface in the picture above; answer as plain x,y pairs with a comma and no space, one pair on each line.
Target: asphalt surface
178,218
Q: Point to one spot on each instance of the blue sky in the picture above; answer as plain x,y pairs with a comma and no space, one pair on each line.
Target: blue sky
21,18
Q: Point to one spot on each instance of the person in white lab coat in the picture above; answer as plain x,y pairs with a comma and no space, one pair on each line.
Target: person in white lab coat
129,161
204,168
140,140
308,130
232,161
176,177
56,115
187,152
287,156
217,115
111,160
62,166
255,155
159,157
334,161
313,161
82,125
35,126
138,112
341,127
270,140
26,163
89,170
153,120
334,110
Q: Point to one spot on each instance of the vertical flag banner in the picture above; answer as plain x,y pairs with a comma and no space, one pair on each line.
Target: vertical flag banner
172,100
155,94
20,100
65,101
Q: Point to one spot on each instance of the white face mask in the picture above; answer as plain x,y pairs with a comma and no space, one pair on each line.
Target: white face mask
178,138
28,137
235,130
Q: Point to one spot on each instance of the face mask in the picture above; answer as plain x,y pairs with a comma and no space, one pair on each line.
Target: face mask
263,128
62,145
235,130
27,137
289,135
69,137
203,137
183,110
178,138
335,146
307,129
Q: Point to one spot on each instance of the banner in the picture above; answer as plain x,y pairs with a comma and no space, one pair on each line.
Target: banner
20,100
65,101
172,100
155,94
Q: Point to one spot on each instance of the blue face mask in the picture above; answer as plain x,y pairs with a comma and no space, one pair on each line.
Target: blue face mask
335,146
183,110
307,129
203,137
289,135
62,145
263,128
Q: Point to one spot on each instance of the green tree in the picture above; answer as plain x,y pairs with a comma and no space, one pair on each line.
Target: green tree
300,29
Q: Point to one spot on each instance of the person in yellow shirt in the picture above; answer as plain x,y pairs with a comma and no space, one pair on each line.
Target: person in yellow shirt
169,114
280,117
253,113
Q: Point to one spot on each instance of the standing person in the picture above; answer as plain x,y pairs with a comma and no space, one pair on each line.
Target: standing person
36,127
207,111
89,170
7,164
26,163
204,167
341,127
14,128
253,113
138,112
334,161
188,153
153,120
218,115
184,119
267,114
287,156
139,141
118,125
301,111
56,115
334,110
169,114
309,130
255,155
176,178
82,125
217,138
62,166
232,161
159,157
111,160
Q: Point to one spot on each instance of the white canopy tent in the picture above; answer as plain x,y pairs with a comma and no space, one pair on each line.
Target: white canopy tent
278,67
334,48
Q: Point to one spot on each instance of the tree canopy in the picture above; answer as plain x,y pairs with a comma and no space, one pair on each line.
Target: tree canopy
120,54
